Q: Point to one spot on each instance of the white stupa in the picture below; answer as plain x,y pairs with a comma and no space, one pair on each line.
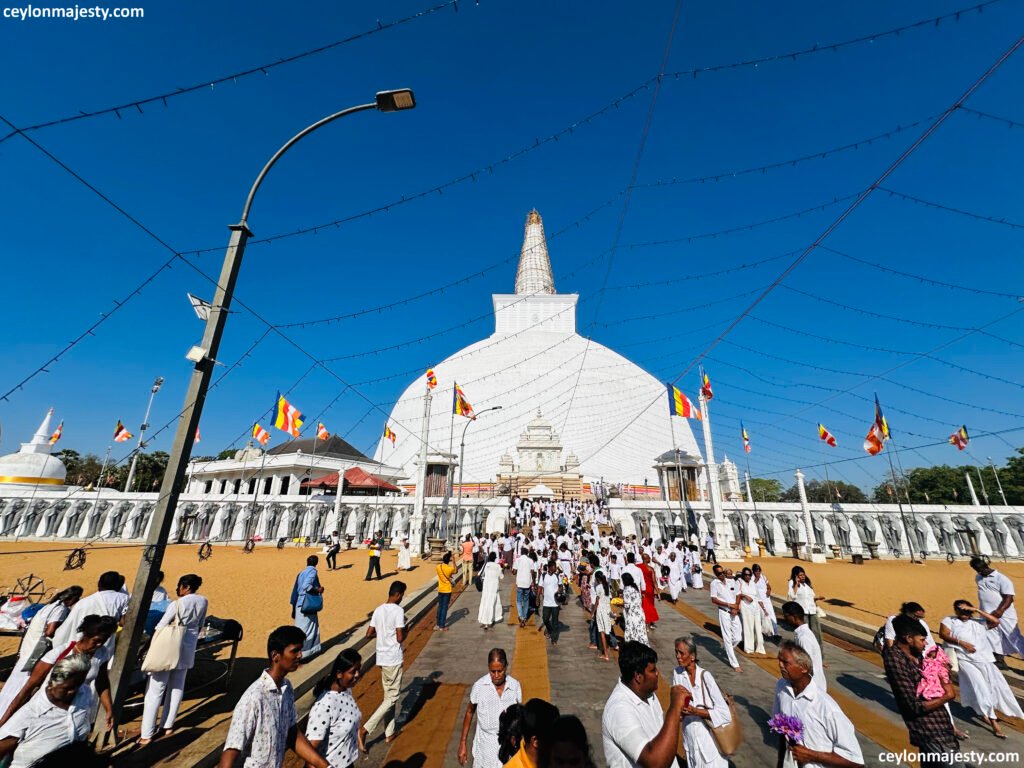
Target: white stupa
593,397
33,464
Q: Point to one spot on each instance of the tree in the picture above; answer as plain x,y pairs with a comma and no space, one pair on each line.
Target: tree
827,493
765,490
226,454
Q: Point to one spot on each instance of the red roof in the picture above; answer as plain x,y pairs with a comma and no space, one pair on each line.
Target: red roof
355,477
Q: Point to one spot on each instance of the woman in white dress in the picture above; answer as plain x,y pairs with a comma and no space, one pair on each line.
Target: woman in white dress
167,688
334,720
707,706
676,583
404,556
982,686
38,641
490,598
696,571
800,590
602,611
633,611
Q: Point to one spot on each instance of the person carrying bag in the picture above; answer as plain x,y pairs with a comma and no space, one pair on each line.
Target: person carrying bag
164,652
728,736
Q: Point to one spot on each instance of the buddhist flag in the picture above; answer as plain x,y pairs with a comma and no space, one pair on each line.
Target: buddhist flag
705,385
120,433
56,435
958,438
431,379
389,435
322,433
287,417
260,435
196,438
680,405
827,436
746,438
460,405
875,440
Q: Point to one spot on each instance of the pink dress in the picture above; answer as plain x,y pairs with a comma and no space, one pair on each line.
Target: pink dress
934,674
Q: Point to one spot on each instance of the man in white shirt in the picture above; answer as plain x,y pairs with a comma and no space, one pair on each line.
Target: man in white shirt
634,730
829,736
550,608
108,600
995,597
524,570
388,625
793,613
634,570
724,597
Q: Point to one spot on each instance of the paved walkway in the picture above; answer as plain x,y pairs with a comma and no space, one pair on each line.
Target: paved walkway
444,666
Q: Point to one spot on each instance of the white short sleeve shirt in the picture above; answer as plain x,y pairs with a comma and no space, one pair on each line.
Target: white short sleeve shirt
385,620
629,724
826,728
334,721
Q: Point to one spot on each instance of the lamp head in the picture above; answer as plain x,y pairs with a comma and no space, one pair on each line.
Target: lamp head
158,383
396,101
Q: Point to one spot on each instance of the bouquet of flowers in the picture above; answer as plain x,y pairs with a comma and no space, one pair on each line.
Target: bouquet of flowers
788,726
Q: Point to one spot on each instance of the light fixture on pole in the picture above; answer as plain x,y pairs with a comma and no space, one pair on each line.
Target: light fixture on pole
142,432
462,455
127,651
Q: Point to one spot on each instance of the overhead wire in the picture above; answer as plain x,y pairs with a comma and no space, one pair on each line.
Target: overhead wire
950,209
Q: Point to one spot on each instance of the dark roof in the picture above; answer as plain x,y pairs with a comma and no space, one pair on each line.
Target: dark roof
333,446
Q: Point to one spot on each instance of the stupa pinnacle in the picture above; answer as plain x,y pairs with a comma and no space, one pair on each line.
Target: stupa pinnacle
534,273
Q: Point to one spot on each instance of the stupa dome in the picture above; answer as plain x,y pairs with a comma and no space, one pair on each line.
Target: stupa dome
591,396
33,464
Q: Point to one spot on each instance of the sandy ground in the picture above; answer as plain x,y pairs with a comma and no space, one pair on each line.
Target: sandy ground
251,588
873,591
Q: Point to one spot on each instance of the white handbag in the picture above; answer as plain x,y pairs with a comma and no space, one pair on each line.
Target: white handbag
164,652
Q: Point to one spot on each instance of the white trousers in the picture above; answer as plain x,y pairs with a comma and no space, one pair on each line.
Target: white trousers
166,689
753,640
728,636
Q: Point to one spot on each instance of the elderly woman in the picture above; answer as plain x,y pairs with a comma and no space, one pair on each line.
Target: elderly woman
38,641
53,718
306,606
707,706
982,686
632,611
491,695
94,632
167,688
490,597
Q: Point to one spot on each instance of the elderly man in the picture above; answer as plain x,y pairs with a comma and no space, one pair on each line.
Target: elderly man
634,730
829,736
995,597
928,722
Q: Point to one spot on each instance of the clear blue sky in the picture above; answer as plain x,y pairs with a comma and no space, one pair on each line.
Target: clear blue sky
490,79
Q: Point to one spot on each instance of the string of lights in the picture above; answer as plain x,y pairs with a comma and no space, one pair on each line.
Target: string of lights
950,209
261,69
791,162
746,227
905,320
922,278
1004,120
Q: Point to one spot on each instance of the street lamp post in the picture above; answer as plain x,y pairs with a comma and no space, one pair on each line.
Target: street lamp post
204,357
462,454
142,432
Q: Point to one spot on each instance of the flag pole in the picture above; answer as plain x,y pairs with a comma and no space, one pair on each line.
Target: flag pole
256,496
746,532
896,489
1002,548
832,497
376,510
679,476
451,469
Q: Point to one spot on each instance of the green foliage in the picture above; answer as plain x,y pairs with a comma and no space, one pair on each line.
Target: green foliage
227,454
825,493
765,490
948,485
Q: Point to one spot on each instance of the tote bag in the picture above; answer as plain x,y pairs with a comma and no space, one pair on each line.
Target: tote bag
165,648
728,737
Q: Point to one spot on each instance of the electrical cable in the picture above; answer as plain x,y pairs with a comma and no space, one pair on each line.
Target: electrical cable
950,209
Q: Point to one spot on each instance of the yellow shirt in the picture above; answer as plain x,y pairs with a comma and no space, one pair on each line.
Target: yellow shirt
520,760
444,578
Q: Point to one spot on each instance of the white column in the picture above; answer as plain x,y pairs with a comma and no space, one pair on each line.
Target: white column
720,526
970,487
750,493
805,509
416,524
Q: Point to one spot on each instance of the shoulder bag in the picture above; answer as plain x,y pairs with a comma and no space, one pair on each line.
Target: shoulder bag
312,603
165,649
727,737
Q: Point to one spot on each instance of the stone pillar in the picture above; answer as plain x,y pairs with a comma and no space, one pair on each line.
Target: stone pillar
720,527
970,487
805,514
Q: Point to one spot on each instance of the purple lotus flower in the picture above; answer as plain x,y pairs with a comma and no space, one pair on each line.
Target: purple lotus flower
788,726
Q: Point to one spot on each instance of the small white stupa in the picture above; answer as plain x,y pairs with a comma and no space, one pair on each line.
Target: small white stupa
33,464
